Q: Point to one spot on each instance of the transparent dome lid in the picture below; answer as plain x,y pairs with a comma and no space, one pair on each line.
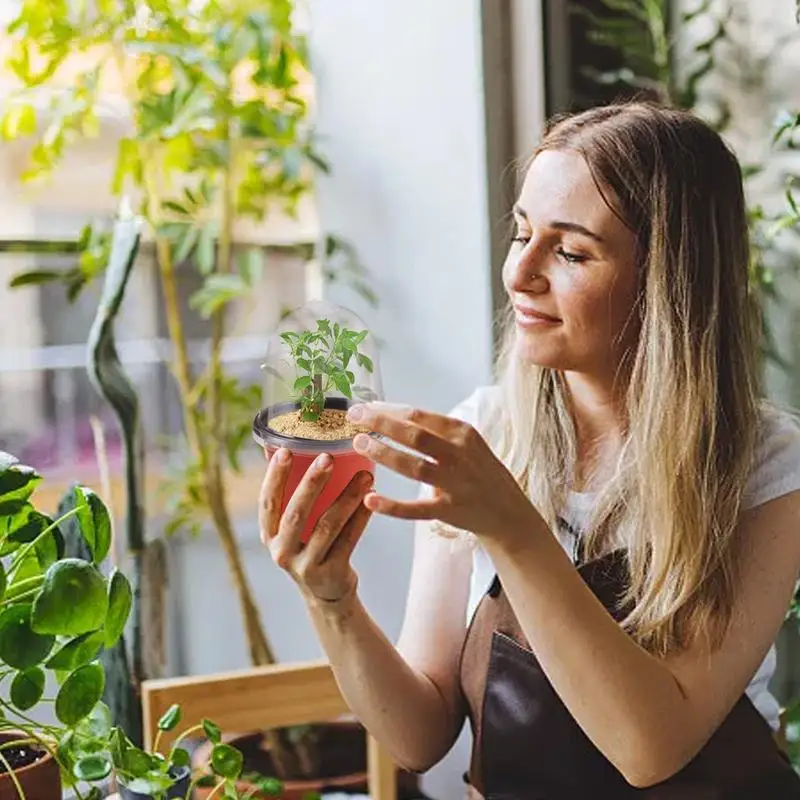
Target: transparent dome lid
320,360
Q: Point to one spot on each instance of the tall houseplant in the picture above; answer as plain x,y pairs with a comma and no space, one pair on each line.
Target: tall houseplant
219,135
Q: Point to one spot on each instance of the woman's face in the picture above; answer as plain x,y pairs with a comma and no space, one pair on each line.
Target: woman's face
572,260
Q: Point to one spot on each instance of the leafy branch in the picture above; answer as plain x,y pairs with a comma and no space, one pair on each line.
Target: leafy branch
321,358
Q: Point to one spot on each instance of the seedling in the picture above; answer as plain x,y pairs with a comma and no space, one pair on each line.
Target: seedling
321,359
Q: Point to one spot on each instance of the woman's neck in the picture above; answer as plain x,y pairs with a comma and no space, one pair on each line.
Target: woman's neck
599,414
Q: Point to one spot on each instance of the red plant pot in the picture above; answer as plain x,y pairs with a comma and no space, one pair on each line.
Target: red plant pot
346,462
345,467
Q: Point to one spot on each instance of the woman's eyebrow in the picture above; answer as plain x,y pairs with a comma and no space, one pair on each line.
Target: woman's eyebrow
572,227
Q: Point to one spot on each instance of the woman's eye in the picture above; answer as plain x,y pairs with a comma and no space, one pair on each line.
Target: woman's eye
520,239
572,258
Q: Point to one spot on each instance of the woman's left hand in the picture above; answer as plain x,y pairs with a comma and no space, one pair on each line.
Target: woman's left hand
472,489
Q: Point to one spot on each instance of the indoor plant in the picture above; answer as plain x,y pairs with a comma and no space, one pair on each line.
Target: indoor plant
142,775
218,137
316,367
56,615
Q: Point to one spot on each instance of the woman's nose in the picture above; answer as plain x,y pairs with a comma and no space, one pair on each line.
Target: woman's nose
528,273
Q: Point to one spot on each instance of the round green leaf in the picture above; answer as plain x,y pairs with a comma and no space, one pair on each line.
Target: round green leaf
80,693
27,688
20,646
227,761
72,600
93,521
181,757
92,768
17,483
77,652
120,601
92,733
171,717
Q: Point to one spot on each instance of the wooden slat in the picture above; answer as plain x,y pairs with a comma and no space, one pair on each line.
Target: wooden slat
245,700
382,772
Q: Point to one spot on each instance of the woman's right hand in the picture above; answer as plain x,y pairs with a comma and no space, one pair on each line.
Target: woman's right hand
321,568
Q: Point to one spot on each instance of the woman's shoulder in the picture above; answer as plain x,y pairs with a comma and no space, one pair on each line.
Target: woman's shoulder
776,466
476,407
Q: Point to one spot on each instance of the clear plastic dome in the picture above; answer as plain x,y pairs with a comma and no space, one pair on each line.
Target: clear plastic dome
320,360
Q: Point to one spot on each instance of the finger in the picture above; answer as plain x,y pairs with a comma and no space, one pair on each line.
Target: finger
298,509
351,534
406,464
420,430
270,497
402,509
332,523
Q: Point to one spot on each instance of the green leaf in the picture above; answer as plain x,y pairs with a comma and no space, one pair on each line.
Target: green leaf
27,688
251,266
77,652
80,693
212,731
171,717
226,761
94,522
36,277
72,600
93,768
365,362
19,121
17,483
205,256
20,646
120,602
216,292
3,581
187,244
181,757
342,384
302,383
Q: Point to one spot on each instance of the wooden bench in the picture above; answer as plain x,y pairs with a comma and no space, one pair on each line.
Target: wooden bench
261,698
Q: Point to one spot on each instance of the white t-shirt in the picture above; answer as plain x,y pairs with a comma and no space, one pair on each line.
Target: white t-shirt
776,472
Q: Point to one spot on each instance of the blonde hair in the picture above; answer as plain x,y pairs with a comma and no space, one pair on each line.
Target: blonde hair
692,378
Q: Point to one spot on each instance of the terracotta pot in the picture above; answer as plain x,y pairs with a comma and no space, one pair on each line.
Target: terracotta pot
346,462
343,757
40,780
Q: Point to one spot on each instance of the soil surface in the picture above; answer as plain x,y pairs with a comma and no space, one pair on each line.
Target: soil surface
331,425
20,756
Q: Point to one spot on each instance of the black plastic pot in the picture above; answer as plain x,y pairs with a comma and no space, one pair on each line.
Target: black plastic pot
182,775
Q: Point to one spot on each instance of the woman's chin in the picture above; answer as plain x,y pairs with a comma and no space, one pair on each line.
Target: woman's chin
536,354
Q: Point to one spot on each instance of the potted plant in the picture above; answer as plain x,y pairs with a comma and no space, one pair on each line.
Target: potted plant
142,775
56,615
317,368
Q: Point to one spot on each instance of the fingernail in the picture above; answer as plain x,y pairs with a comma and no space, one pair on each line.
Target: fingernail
367,479
322,461
282,456
361,442
355,412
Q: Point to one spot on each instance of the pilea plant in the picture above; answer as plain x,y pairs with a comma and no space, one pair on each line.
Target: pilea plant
321,358
169,775
56,615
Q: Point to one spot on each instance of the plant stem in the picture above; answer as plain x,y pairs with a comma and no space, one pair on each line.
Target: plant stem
223,264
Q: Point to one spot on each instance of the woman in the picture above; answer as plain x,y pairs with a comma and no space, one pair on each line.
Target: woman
608,538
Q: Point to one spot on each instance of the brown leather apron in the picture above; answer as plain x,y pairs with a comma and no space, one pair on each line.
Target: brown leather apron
527,746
